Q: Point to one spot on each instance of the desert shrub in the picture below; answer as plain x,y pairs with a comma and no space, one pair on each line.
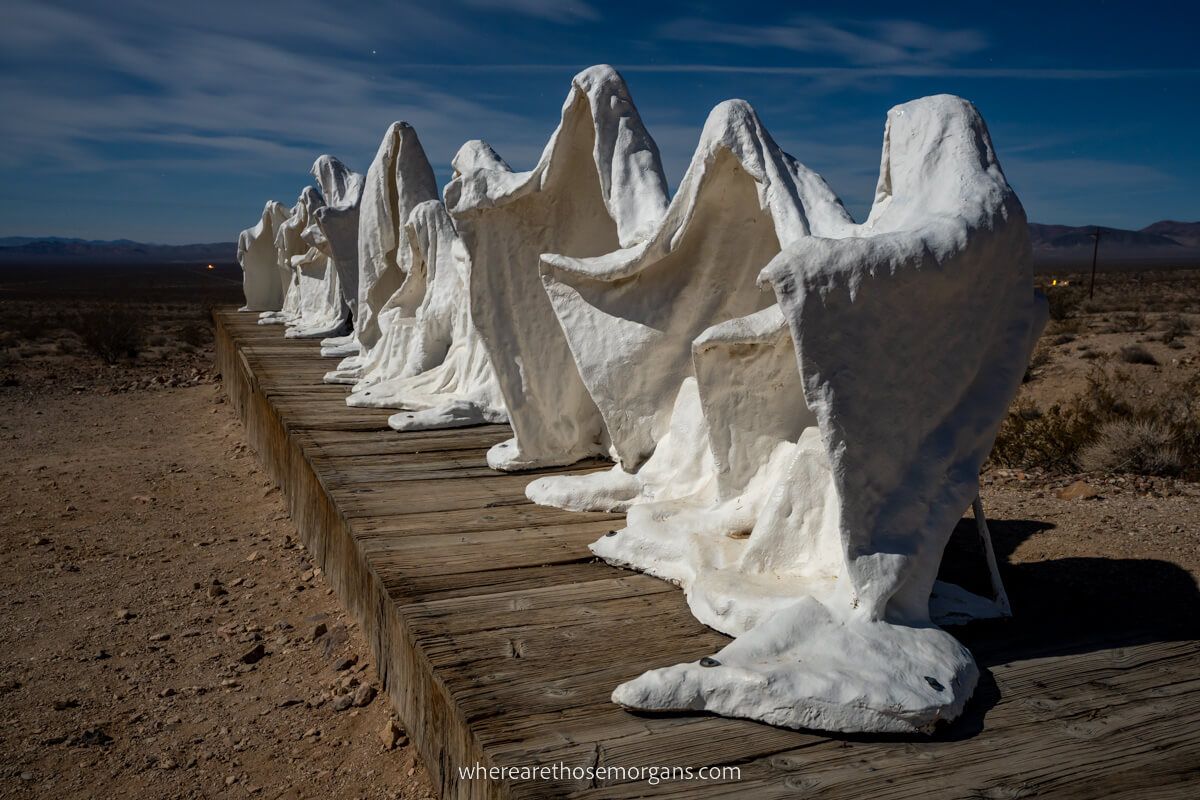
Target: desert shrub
1143,446
195,333
1133,322
1039,359
1175,327
1136,354
1063,301
1110,427
111,332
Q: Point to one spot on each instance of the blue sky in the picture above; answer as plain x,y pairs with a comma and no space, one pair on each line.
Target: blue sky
174,122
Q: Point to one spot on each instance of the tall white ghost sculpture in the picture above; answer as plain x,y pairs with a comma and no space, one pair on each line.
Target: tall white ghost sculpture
338,221
398,180
432,362
320,309
631,316
256,253
839,481
598,186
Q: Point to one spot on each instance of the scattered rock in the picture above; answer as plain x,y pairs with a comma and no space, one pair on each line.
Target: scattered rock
343,664
318,631
217,590
254,654
90,737
392,735
364,695
63,705
124,614
1079,490
160,637
254,556
342,702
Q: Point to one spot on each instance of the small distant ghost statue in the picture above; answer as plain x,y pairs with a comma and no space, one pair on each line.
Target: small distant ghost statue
819,451
261,280
337,219
320,309
399,179
598,186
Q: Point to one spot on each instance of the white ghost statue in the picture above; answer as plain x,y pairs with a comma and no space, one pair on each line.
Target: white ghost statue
320,309
631,316
598,186
812,528
337,219
256,253
398,180
439,370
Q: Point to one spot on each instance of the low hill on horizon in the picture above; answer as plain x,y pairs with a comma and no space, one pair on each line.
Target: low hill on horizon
1164,243
57,248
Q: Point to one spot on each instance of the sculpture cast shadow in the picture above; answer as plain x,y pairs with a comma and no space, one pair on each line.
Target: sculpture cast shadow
1063,607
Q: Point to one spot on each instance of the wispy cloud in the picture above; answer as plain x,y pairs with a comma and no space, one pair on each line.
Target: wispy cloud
562,11
890,42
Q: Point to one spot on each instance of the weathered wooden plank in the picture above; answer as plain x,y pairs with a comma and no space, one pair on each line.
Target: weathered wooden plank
499,638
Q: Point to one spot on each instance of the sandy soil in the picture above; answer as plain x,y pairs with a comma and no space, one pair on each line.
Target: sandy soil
166,636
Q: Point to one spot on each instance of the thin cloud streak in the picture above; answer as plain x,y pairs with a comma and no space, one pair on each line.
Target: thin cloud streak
1020,73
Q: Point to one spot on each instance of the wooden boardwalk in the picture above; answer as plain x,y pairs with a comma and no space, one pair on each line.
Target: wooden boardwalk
499,638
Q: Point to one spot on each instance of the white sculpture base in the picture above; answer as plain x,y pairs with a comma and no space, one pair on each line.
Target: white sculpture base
810,666
340,346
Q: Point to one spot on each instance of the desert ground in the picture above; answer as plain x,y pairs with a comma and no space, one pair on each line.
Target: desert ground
165,635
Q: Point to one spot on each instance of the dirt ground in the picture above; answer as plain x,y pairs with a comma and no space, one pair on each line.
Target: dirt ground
165,635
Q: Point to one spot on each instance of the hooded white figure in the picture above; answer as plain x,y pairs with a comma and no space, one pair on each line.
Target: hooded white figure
257,254
839,481
445,378
398,180
337,219
320,309
288,245
631,316
598,186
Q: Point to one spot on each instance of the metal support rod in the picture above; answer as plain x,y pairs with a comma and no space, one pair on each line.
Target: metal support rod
985,536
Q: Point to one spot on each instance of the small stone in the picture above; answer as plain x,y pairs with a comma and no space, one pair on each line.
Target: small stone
217,590
63,705
167,692
166,763
254,654
364,695
124,614
343,664
342,702
1079,490
160,637
392,736
318,631
254,556
26,776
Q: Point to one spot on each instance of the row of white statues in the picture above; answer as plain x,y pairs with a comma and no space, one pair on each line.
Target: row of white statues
797,405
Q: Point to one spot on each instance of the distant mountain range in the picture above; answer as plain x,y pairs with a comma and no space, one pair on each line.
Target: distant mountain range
56,248
1166,243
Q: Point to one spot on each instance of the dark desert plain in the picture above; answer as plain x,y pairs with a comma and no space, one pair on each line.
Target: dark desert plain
166,635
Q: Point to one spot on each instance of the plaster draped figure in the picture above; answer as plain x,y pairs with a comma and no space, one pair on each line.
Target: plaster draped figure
598,186
819,451
631,316
440,372
288,245
399,179
320,309
256,253
338,220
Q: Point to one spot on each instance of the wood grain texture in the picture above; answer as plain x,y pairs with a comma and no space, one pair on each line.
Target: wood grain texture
499,637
